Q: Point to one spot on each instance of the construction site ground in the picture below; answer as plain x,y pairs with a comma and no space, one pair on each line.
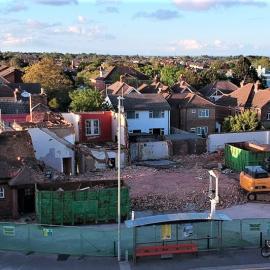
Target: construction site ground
181,187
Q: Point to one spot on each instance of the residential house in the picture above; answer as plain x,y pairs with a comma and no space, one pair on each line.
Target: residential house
96,137
121,88
217,89
249,96
12,75
110,76
193,113
156,87
22,106
145,113
183,87
53,140
19,172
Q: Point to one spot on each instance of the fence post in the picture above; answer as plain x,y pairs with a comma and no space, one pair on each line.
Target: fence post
241,234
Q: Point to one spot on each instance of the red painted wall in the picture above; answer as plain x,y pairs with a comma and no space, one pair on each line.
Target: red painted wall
105,127
10,118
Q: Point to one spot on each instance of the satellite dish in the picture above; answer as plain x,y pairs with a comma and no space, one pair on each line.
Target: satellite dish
25,94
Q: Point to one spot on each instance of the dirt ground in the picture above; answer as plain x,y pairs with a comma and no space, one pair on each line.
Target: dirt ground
182,187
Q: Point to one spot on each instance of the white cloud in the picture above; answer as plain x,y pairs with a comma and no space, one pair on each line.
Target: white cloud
35,24
198,5
188,44
81,19
10,39
74,29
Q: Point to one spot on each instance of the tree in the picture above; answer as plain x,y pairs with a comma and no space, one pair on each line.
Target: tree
170,75
54,104
49,75
86,100
52,78
245,121
244,71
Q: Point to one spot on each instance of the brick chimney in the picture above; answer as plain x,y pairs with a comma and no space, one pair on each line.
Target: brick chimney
101,72
122,78
156,79
16,94
257,86
242,83
182,80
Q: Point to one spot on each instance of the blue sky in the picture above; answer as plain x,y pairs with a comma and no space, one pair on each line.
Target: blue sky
149,27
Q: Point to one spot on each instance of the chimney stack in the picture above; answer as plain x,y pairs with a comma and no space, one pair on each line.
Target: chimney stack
257,86
122,78
242,83
101,72
156,79
16,94
182,80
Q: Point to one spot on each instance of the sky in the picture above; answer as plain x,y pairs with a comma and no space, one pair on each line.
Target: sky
131,27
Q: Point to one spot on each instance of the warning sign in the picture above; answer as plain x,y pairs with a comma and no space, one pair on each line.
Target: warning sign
166,232
9,230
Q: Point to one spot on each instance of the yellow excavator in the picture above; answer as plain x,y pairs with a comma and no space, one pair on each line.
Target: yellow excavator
256,181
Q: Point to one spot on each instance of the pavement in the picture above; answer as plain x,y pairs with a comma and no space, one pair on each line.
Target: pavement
248,259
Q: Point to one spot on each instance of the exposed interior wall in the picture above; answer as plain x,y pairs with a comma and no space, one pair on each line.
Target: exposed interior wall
150,150
124,135
218,141
74,120
50,150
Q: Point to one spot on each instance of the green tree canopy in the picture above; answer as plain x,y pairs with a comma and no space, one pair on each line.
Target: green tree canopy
52,78
85,100
245,121
49,75
244,71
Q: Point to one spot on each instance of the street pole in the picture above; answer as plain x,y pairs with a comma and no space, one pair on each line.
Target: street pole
119,179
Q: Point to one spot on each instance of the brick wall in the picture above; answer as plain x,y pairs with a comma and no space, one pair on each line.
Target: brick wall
6,204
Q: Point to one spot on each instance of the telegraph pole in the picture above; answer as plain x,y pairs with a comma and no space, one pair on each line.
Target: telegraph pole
119,178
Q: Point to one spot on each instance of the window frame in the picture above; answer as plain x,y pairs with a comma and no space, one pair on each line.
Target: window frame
160,112
205,128
268,116
2,193
136,115
92,127
203,113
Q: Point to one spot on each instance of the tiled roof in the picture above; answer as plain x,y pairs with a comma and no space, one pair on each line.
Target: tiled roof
123,70
119,88
182,88
14,107
189,100
261,98
153,88
240,97
226,87
141,102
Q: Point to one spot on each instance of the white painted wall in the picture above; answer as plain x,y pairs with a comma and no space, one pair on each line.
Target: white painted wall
74,119
149,151
144,123
218,141
123,127
50,150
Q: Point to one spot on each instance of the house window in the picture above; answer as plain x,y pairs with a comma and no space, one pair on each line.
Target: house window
132,115
201,131
156,114
2,193
92,127
203,113
193,130
193,111
268,116
150,131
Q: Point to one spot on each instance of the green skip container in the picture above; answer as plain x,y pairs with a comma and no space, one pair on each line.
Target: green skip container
70,203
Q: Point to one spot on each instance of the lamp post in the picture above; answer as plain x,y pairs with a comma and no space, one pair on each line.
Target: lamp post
119,178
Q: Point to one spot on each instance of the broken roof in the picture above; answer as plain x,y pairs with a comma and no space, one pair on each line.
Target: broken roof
143,102
26,176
